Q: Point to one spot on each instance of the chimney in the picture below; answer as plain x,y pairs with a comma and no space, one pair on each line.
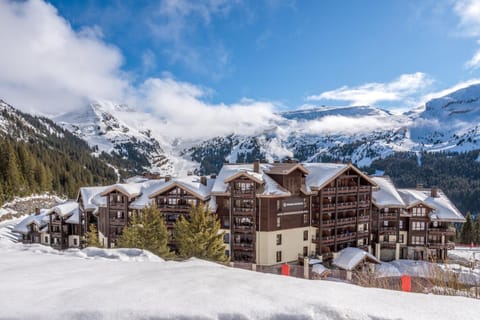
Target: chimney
419,186
37,211
213,176
168,178
189,173
203,180
256,166
434,192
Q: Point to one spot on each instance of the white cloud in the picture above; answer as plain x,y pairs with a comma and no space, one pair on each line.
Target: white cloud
370,93
187,115
469,13
444,92
48,67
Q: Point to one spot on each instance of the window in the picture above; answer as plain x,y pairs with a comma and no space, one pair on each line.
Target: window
400,224
401,239
278,222
416,240
305,203
119,214
385,223
46,239
226,203
74,241
227,253
119,198
112,198
305,218
305,235
419,212
385,210
226,238
305,251
279,239
279,205
435,224
279,256
418,225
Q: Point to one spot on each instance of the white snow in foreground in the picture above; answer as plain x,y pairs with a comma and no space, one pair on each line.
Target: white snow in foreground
38,282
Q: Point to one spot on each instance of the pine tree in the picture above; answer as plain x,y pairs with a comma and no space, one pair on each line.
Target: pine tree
467,235
147,232
200,237
477,229
13,179
91,237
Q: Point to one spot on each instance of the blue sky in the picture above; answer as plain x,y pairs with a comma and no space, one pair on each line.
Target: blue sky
178,58
283,51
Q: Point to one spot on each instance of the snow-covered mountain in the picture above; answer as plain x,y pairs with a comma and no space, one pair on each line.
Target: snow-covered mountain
120,130
359,134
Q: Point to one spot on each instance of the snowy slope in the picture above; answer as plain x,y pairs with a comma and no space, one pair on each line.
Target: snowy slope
118,284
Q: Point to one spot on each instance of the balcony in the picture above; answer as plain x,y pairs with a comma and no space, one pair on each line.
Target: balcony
343,190
449,245
388,215
388,229
183,207
243,246
364,189
244,228
328,191
388,245
117,221
346,221
363,234
449,231
363,218
243,193
244,211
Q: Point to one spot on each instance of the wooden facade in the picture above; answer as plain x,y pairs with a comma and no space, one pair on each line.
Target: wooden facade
342,212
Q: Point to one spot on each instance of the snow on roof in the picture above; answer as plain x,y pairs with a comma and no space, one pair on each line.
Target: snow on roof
147,189
443,208
386,195
39,220
284,168
130,189
74,218
64,209
321,173
135,179
350,257
92,198
319,268
190,184
229,171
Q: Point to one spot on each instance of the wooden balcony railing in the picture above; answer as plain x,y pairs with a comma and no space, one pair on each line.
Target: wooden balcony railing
243,211
449,231
389,215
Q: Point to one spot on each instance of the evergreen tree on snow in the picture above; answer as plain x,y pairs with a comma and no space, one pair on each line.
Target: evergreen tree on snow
147,232
467,236
200,237
477,229
91,237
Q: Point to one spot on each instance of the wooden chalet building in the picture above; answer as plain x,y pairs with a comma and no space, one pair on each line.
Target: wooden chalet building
173,197
412,223
271,213
278,212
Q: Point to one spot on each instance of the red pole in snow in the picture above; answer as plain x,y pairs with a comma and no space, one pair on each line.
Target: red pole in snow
406,283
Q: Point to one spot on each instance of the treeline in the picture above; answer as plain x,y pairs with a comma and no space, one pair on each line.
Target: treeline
457,174
37,156
470,232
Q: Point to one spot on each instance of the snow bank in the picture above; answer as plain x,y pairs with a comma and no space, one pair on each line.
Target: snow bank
84,284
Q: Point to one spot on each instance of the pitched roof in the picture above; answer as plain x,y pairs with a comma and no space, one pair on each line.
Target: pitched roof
40,220
349,258
65,209
191,184
323,173
284,168
92,198
386,195
443,208
229,172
